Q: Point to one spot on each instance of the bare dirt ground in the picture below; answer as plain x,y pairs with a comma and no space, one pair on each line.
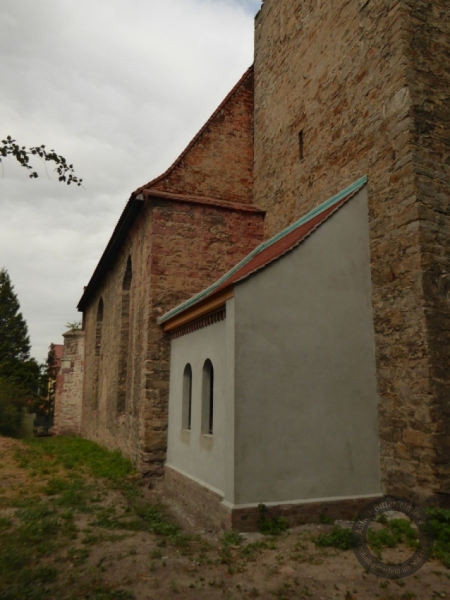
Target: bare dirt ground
102,550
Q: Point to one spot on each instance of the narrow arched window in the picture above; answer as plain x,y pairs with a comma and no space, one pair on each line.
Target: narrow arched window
187,397
124,338
98,328
98,349
208,398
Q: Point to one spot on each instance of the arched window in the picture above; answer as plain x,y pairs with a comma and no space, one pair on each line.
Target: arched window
124,339
208,398
126,283
98,328
98,348
187,397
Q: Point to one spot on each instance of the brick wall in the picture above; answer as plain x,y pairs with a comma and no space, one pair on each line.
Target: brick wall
219,161
69,386
342,74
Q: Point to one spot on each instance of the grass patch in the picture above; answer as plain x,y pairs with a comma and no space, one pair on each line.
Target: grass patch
5,523
22,574
34,539
108,594
158,523
44,455
440,523
270,525
71,492
109,522
394,532
231,538
338,538
253,549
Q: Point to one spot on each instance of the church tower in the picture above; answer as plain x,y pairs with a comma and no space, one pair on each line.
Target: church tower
362,87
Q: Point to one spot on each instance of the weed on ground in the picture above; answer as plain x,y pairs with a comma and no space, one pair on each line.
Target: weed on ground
77,523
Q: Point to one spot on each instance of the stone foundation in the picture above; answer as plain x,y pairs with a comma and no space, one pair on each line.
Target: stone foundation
214,513
200,501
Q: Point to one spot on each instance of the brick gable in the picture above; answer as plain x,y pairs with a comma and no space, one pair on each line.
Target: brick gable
218,163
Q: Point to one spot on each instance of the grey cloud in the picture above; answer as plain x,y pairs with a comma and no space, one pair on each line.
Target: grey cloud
119,87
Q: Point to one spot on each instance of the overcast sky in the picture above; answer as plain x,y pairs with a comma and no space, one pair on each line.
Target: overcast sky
118,87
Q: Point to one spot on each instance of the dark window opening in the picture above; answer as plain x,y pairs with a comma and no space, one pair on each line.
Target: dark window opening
98,328
187,397
97,353
208,398
124,339
301,145
211,401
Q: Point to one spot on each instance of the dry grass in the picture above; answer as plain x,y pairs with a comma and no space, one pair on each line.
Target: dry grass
75,522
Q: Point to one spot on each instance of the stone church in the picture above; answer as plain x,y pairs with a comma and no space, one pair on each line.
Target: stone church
345,101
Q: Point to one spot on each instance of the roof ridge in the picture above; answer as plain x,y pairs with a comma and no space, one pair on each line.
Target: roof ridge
194,140
351,189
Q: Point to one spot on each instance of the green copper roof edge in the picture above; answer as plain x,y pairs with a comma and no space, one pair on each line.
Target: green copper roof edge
356,186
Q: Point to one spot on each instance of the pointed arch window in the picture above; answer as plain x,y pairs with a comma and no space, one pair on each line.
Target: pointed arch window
98,328
98,350
124,339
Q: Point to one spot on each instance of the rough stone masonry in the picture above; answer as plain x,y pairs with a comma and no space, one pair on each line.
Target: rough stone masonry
364,86
339,90
177,235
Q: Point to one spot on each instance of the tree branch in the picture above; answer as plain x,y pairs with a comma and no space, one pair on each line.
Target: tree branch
66,173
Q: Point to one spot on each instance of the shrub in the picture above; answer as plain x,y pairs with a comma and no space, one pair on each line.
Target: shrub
270,525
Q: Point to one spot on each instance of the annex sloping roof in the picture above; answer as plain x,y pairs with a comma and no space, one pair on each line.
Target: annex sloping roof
272,249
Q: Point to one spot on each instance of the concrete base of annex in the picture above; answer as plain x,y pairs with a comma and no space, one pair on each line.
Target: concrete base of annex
212,511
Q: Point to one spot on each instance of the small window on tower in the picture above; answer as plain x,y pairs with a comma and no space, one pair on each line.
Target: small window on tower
301,145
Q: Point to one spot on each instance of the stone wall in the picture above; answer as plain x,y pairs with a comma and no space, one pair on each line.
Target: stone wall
356,80
207,509
68,396
195,222
176,249
109,417
429,84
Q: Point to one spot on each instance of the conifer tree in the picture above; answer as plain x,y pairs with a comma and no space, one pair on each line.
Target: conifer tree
47,392
14,339
19,374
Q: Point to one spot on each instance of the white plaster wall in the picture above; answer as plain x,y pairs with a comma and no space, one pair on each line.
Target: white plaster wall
206,459
306,399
